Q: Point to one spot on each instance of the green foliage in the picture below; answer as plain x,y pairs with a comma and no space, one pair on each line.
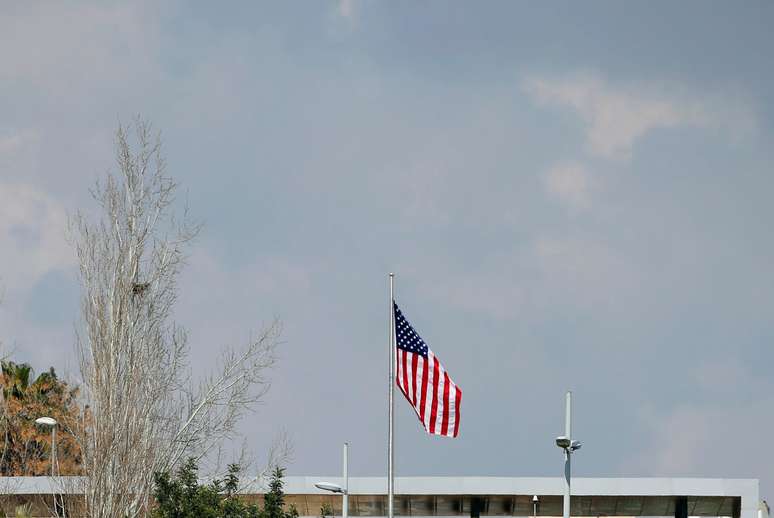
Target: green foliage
18,379
274,500
326,511
183,496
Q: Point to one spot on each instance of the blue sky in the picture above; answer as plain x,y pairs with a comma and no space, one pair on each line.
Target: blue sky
573,195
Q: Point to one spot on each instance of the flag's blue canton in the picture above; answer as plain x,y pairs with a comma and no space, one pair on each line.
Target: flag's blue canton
406,338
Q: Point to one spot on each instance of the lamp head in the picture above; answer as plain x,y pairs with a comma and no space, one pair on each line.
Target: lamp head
563,442
46,421
575,445
328,486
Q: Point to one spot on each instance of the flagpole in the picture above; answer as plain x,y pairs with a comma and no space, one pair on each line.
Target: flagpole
390,455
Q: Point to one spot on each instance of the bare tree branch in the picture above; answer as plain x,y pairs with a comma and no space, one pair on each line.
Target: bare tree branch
144,414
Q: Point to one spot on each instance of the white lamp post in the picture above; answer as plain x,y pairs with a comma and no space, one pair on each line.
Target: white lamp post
335,488
569,446
50,421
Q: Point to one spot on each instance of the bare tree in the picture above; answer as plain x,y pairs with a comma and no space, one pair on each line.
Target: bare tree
144,413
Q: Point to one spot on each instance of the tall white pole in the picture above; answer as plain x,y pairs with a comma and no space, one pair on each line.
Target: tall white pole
568,434
390,456
345,495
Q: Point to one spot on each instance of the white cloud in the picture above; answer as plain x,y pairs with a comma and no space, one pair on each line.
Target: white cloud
568,182
32,244
60,48
735,408
73,72
683,439
215,296
584,271
617,116
706,439
548,274
499,297
346,8
32,235
13,143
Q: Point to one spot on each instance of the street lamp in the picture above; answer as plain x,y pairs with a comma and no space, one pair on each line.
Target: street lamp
535,501
329,486
569,446
50,421
335,488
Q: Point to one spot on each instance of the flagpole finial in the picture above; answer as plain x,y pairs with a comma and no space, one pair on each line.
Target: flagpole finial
392,274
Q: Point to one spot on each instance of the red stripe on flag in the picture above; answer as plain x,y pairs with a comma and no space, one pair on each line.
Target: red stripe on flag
434,408
457,398
405,372
414,362
423,399
445,418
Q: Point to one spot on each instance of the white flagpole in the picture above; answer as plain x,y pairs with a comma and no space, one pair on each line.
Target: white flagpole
390,456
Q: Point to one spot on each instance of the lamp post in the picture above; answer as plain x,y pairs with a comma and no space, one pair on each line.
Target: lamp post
335,488
569,446
534,506
50,421
345,494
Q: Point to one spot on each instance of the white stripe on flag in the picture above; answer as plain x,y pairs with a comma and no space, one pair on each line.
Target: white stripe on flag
429,391
420,373
440,411
451,409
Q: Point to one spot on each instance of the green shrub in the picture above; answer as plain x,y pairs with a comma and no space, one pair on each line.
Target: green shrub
183,497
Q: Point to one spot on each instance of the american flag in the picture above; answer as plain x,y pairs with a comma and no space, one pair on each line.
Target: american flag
424,381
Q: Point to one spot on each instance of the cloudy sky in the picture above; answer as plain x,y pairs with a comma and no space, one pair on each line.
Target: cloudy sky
573,196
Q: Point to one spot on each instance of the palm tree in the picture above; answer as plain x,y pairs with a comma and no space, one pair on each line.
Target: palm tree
16,382
16,379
